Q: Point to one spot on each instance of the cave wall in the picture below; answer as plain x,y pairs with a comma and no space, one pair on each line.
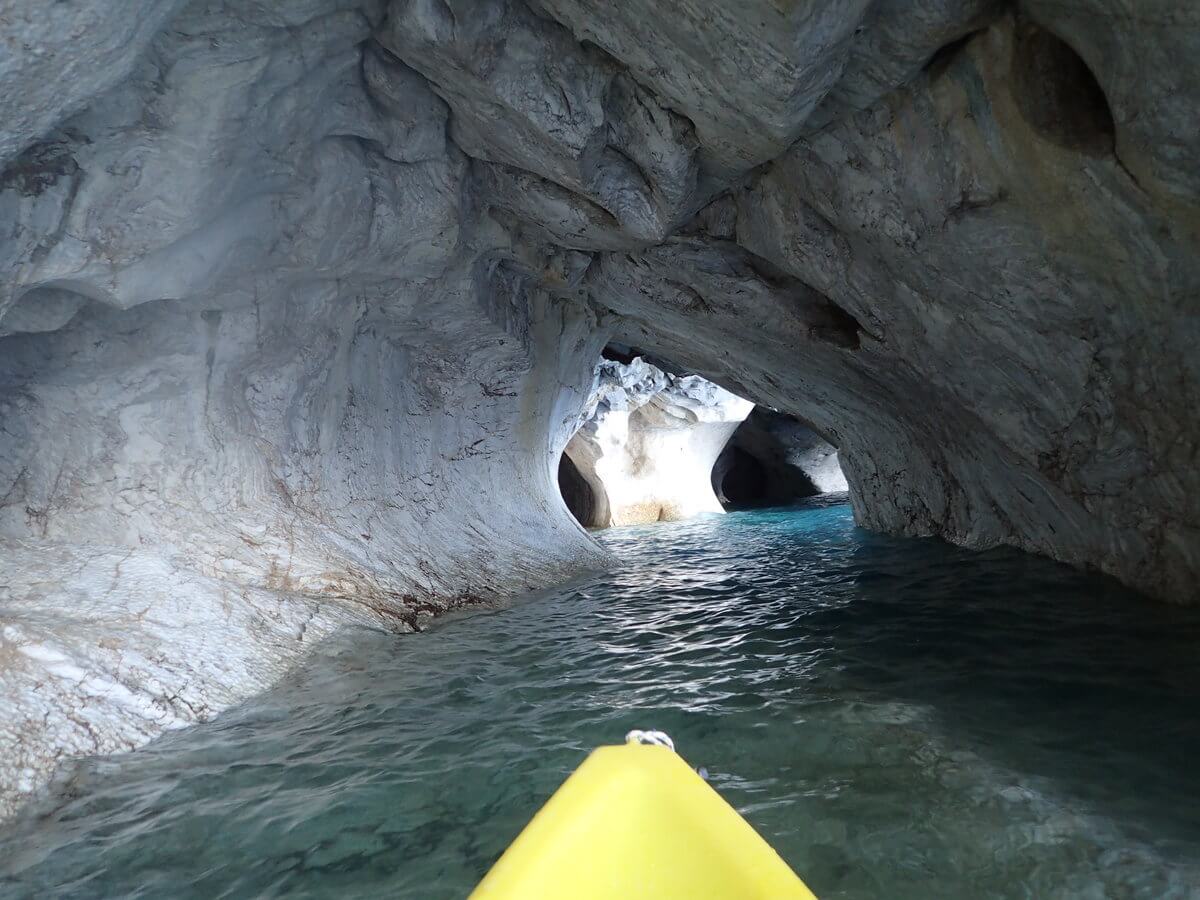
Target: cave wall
296,354
302,300
266,371
880,233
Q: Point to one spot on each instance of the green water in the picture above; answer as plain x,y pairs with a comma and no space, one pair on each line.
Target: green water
899,718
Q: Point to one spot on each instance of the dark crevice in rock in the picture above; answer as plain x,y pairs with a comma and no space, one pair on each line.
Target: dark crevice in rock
1058,95
1128,172
39,168
774,459
826,320
840,328
944,55
717,219
740,481
577,493
627,353
620,353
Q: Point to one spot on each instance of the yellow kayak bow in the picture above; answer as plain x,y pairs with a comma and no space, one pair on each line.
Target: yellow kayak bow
635,821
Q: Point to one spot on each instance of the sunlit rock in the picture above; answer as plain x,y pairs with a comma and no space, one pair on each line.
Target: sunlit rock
647,447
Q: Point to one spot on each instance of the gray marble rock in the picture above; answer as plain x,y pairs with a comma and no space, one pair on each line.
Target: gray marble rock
258,336
302,300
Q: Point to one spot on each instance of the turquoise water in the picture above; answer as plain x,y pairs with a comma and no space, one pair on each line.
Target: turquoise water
899,718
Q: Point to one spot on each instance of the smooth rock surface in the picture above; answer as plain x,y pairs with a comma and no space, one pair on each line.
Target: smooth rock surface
260,339
102,649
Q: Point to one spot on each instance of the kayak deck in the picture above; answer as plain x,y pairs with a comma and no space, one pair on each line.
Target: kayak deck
634,821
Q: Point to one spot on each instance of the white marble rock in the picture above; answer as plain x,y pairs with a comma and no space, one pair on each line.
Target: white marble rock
649,441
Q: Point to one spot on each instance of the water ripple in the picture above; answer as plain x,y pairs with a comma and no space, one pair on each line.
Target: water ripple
899,718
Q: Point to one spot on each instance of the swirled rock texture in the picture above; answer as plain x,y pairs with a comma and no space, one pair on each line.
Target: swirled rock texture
648,444
266,361
301,300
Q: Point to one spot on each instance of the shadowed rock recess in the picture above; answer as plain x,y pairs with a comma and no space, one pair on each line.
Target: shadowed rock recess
773,460
301,302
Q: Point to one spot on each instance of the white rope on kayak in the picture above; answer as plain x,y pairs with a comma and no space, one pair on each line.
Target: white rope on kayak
637,736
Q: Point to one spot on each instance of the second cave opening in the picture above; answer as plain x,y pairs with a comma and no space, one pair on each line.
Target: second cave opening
740,481
774,459
657,444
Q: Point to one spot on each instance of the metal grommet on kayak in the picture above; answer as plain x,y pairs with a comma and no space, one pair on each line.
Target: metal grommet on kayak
661,738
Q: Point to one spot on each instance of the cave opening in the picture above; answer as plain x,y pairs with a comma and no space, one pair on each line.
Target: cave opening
740,481
646,441
657,443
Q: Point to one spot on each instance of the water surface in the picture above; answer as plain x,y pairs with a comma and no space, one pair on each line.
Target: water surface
899,718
